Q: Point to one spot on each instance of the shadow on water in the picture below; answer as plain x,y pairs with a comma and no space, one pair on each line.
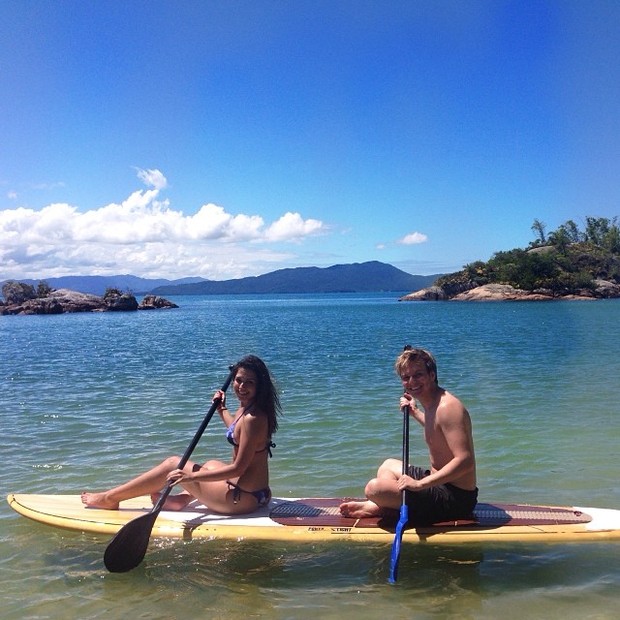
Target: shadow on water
303,580
223,579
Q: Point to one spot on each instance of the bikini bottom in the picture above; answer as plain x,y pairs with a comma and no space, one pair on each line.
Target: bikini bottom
262,496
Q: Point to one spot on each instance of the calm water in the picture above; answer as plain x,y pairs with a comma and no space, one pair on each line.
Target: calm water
88,400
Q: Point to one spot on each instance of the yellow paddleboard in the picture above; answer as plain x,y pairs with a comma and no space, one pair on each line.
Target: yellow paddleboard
318,519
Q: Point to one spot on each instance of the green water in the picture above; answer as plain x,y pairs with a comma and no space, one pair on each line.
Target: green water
89,400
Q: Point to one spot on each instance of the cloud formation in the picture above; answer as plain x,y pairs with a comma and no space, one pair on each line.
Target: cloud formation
413,238
143,235
152,178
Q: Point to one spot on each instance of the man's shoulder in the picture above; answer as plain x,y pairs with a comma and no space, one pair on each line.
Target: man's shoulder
450,404
448,397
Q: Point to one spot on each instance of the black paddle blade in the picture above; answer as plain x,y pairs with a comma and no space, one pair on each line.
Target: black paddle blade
128,548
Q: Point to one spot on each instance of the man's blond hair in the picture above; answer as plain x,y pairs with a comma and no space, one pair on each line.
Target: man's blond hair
412,355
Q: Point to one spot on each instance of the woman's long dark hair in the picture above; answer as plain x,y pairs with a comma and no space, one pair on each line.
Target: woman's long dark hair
267,399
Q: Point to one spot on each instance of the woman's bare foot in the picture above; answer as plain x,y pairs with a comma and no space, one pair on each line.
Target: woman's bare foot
359,510
98,500
173,502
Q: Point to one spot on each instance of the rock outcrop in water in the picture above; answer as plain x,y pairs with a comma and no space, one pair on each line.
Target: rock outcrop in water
505,292
23,299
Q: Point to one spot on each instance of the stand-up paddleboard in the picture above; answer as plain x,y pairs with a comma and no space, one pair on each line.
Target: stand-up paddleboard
319,519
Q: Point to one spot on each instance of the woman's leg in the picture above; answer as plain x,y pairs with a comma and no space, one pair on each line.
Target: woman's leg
144,484
218,496
179,501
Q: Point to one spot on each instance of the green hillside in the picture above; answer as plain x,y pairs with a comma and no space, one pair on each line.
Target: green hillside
371,276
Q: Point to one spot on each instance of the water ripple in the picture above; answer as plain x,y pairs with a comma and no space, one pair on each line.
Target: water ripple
89,400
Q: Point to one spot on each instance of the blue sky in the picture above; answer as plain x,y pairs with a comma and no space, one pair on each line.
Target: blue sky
226,139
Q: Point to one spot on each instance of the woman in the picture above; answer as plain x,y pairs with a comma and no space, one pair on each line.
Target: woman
236,488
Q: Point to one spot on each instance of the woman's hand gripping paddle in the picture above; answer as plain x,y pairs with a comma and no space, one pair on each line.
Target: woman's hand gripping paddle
404,509
128,548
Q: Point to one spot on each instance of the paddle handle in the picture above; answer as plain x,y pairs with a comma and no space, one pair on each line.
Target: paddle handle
192,446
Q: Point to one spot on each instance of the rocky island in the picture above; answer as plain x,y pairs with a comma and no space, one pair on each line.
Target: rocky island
566,264
505,292
23,299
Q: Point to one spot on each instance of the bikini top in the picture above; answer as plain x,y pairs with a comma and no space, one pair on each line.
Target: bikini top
230,437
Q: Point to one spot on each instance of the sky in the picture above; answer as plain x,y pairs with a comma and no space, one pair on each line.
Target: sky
167,139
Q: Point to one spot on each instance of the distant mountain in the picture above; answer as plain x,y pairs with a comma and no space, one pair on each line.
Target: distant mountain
97,285
354,278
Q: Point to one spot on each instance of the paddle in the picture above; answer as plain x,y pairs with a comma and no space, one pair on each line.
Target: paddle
404,509
128,548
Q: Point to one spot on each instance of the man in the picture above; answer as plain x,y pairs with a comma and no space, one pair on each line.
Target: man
446,491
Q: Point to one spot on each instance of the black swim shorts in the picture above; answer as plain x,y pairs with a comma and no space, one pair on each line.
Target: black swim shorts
443,502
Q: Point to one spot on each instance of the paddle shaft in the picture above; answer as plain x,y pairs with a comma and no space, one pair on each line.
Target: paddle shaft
192,446
405,411
404,509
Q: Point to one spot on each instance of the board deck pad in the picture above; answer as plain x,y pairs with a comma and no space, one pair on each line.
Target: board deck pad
325,512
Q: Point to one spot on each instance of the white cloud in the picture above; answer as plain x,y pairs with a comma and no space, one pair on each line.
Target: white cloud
291,226
413,238
212,222
152,178
143,235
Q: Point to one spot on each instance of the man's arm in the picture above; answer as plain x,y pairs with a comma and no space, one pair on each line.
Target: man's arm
451,448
